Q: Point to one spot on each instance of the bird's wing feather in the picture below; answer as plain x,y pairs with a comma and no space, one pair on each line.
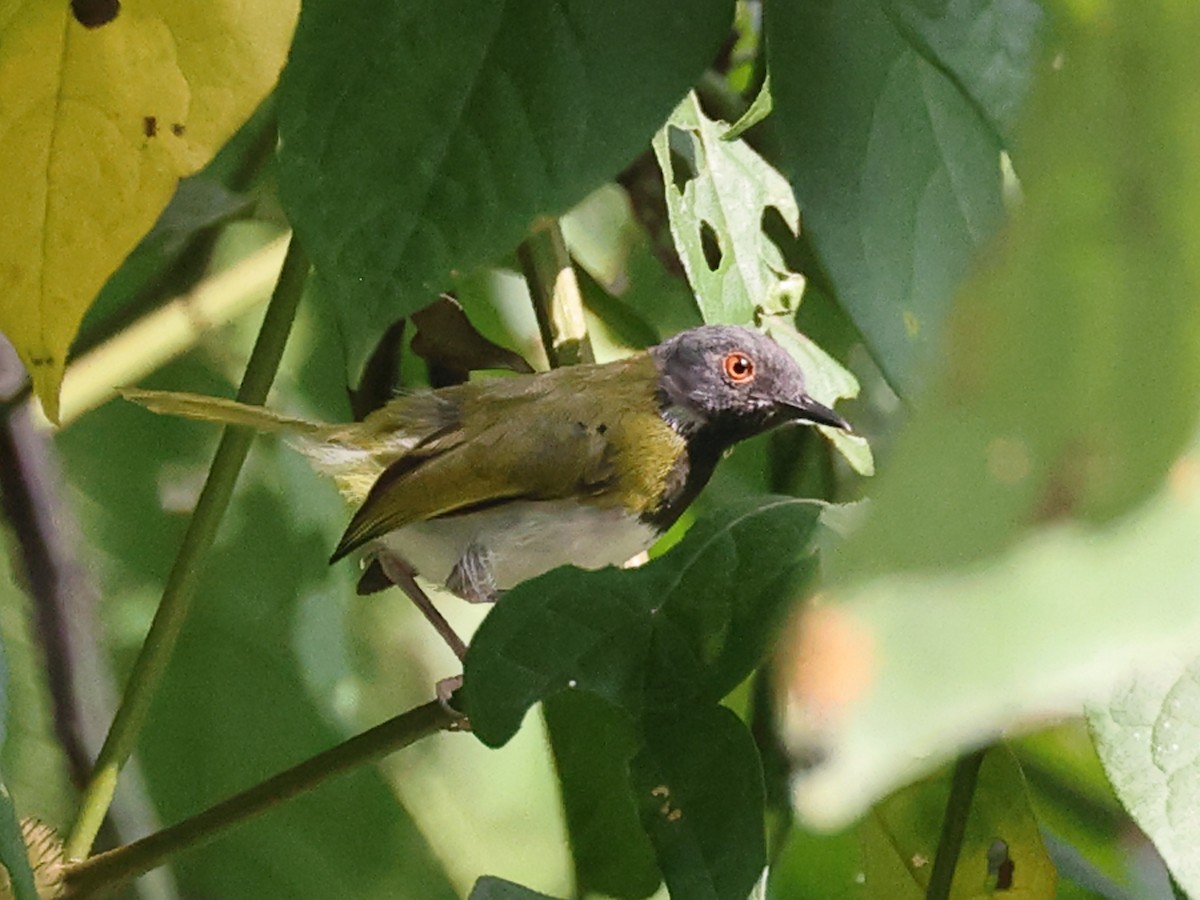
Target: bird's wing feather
561,443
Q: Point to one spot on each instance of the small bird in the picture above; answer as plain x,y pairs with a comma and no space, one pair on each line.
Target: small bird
482,485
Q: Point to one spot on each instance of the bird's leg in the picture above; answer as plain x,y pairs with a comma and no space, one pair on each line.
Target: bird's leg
401,574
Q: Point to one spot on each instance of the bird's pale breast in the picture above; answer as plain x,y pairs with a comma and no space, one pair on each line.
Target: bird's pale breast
523,539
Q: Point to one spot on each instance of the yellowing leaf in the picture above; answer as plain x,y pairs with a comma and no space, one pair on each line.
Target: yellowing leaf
97,125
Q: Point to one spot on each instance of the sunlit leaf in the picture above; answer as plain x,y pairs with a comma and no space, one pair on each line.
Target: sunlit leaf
900,672
717,194
1002,852
98,121
1146,735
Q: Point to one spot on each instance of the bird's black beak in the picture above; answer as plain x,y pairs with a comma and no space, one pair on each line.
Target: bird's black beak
806,409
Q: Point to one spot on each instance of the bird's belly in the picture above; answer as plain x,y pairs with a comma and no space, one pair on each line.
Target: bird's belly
523,539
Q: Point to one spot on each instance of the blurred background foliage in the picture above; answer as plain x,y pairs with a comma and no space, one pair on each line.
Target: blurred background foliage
987,255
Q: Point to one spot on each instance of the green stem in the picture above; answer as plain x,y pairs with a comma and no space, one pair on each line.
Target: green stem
954,824
556,297
107,871
181,583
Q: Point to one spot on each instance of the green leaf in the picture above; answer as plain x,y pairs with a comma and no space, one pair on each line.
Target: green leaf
489,887
1052,341
758,110
1147,736
817,865
894,675
897,175
13,855
420,140
593,744
1002,852
700,788
686,627
716,216
236,704
828,381
987,47
719,211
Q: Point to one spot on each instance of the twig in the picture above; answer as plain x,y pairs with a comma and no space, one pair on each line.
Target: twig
107,871
168,331
954,824
181,583
556,298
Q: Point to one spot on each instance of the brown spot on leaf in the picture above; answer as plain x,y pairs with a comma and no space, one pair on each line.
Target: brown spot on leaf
665,809
94,13
149,126
178,128
1065,486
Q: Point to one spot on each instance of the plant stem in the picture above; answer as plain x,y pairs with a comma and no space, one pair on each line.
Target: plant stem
954,824
107,871
181,583
556,298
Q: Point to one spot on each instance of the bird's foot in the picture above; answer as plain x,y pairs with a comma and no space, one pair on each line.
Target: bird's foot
445,690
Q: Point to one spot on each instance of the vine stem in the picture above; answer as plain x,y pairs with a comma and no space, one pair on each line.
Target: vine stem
107,871
557,301
954,824
180,588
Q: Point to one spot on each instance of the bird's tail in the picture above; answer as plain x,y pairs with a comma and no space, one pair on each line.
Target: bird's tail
225,412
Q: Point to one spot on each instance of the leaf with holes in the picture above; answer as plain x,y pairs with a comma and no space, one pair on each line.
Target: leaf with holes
418,139
717,194
828,381
103,107
758,110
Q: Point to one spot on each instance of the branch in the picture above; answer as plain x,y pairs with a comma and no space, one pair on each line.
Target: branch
181,583
954,825
107,871
556,298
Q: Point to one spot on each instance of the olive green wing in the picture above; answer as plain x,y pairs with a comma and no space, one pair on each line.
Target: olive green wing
556,433
553,457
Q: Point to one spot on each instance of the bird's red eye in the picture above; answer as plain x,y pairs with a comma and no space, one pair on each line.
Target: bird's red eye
739,368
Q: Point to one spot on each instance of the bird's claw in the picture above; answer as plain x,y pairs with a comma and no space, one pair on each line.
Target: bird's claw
444,691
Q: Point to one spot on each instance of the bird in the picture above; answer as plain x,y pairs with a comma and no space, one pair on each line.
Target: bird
483,485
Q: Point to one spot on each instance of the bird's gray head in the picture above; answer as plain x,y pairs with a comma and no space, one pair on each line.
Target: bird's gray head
734,381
